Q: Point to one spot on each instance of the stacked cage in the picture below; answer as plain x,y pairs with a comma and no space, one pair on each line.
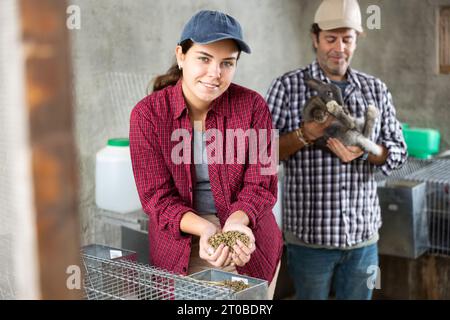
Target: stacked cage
435,173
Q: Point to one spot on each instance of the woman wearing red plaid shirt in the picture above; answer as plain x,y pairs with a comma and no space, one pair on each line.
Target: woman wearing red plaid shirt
190,201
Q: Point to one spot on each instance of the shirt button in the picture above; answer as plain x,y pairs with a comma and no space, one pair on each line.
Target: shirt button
190,189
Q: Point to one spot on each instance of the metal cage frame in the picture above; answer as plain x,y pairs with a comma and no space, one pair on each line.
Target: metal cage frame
436,174
107,279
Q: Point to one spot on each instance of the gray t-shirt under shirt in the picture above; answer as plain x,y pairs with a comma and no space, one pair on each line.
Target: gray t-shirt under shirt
203,197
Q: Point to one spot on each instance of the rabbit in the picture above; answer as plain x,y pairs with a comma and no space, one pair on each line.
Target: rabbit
350,131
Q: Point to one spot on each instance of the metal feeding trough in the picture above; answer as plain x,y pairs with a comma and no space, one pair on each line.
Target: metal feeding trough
257,288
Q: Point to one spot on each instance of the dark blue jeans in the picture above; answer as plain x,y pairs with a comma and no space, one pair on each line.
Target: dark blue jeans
316,271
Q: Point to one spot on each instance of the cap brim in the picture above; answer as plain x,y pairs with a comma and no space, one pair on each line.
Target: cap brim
330,25
220,36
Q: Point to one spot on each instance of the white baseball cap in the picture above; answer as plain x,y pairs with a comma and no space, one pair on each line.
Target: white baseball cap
335,14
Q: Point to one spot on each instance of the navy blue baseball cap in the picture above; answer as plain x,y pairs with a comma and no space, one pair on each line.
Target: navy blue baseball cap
209,26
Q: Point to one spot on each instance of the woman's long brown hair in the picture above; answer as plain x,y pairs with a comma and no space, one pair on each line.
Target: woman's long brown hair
173,74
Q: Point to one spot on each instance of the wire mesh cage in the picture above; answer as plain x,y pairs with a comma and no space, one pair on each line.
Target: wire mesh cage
122,279
436,174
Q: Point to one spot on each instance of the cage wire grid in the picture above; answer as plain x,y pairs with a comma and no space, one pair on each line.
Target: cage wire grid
121,279
436,174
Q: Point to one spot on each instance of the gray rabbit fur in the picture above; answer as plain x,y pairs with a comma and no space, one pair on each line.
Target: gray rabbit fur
349,130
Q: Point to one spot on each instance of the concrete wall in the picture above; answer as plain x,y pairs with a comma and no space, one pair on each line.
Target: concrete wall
119,37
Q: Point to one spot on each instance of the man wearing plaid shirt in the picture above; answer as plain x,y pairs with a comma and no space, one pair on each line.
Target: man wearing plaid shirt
331,213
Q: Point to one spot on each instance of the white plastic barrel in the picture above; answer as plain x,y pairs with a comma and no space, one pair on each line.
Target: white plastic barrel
115,189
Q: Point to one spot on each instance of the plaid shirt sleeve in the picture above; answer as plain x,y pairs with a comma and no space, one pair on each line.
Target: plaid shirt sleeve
278,100
157,192
259,192
391,135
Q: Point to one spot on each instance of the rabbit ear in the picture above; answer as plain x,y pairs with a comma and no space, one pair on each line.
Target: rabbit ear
314,84
307,76
310,81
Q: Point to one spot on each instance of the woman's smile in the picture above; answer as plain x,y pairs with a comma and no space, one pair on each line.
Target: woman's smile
210,85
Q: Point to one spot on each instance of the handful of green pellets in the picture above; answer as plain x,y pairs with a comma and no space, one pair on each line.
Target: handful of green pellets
229,239
235,285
